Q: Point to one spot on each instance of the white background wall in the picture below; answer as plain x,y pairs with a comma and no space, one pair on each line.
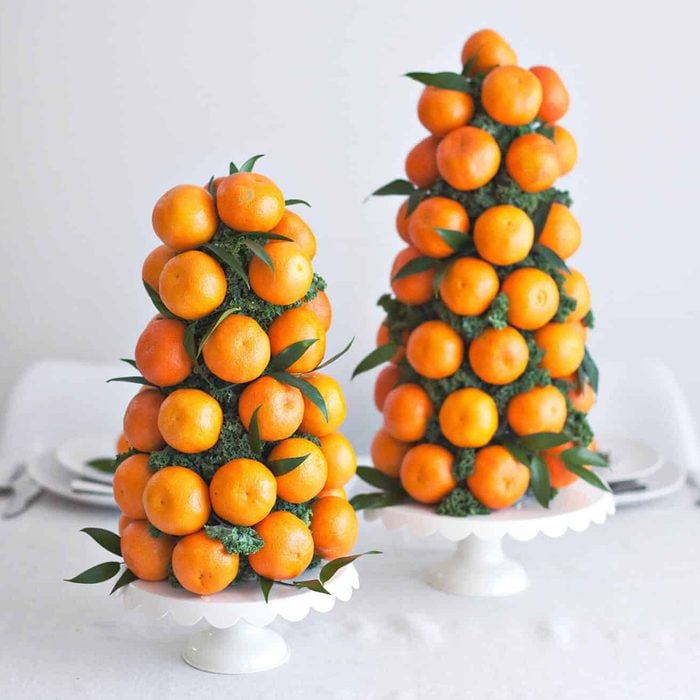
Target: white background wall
105,105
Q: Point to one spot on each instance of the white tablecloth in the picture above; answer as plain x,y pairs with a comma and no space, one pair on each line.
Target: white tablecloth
612,613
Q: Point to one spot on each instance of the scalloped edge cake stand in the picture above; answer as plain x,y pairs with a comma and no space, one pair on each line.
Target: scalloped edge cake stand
479,566
237,639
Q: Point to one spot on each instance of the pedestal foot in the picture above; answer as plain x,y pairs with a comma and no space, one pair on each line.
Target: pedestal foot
242,648
479,568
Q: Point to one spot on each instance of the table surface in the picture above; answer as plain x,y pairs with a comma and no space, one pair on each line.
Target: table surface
612,612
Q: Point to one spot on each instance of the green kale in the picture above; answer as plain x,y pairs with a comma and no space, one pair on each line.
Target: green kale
460,503
237,539
301,510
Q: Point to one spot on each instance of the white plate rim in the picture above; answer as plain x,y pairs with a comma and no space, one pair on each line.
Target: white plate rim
651,494
65,455
609,474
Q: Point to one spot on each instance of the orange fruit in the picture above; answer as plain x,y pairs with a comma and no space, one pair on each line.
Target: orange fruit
559,476
314,422
340,458
293,326
413,289
489,49
243,491
339,492
440,111
141,421
435,350
555,98
281,408
124,520
402,221
498,480
581,397
426,473
563,348
122,444
333,527
576,287
539,410
561,232
249,202
533,298
176,501
433,213
468,158
321,307
468,417
148,557
185,217
407,410
238,350
387,452
421,167
499,355
469,286
192,285
383,338
154,263
504,234
387,379
511,95
130,479
190,420
288,547
532,161
305,481
202,565
160,352
567,150
290,279
292,226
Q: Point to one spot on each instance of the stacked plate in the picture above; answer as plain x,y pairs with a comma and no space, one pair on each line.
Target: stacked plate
78,470
638,472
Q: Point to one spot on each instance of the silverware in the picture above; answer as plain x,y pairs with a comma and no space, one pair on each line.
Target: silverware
628,486
8,487
88,486
25,491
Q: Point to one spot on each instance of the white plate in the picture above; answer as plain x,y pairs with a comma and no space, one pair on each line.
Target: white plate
630,458
663,482
52,476
74,454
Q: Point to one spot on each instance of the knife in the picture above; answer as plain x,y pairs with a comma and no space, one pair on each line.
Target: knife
25,490
627,486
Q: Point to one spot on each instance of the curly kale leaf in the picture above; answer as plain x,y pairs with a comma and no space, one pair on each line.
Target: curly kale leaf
237,539
463,465
301,510
460,503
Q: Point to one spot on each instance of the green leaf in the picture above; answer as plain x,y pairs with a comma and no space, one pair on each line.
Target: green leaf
259,252
231,260
415,266
591,370
232,168
370,501
124,580
158,302
103,464
210,189
337,356
332,567
279,467
96,574
549,256
237,539
544,441
539,218
445,80
403,187
374,477
466,70
129,362
264,236
106,539
190,343
224,315
377,357
546,130
516,451
582,456
539,480
417,196
306,388
454,239
291,354
254,433
130,380
442,270
247,167
587,475
292,202
265,587
312,585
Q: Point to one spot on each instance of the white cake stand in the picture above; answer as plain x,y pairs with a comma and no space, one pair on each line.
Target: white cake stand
237,639
479,567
